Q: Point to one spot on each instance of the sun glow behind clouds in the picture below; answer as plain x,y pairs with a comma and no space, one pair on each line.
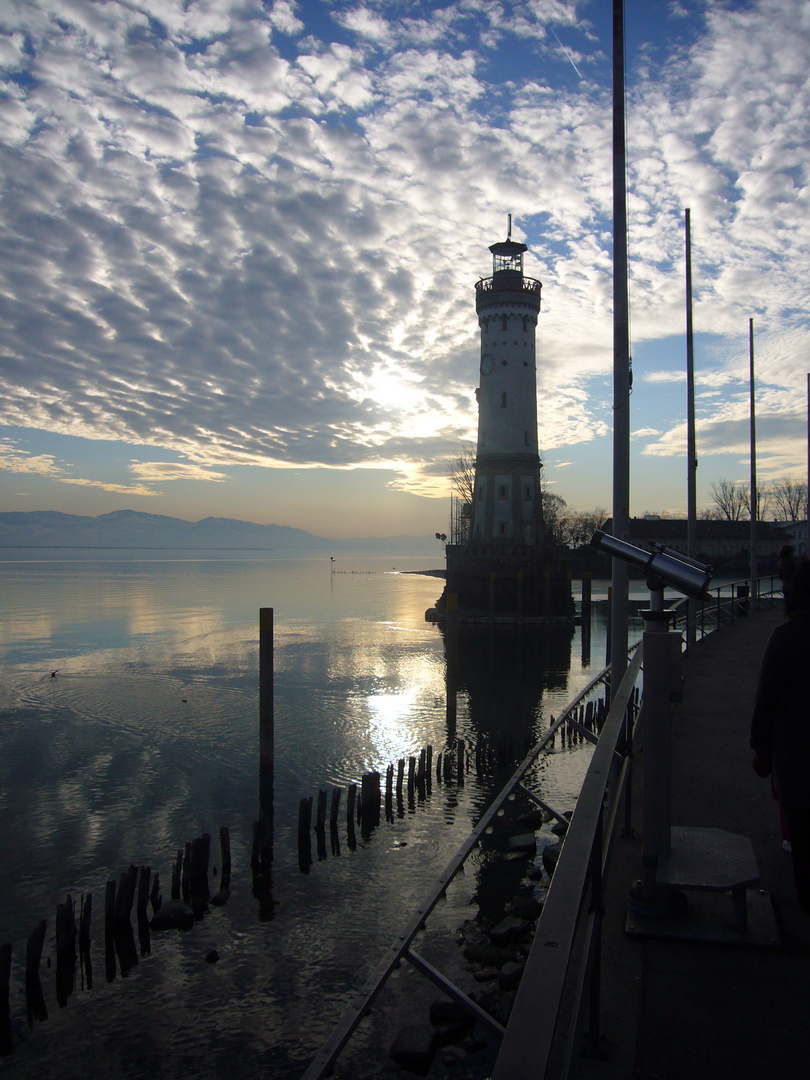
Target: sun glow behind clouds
250,235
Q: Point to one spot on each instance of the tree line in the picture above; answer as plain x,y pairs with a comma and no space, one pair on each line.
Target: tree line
781,500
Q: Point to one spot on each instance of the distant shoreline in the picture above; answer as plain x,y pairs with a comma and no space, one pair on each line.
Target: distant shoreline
427,573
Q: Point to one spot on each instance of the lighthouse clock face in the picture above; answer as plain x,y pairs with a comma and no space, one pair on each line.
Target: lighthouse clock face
486,364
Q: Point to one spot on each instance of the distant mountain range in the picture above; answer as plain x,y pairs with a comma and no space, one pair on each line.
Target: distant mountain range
133,529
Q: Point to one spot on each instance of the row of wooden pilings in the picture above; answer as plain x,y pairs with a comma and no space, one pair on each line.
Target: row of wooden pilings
415,775
136,887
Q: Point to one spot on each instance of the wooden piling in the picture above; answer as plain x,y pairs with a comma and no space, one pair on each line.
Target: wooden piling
177,871
460,750
320,820
400,776
586,598
304,841
411,771
225,849
109,930
65,934
155,897
126,895
266,703
6,1043
35,1000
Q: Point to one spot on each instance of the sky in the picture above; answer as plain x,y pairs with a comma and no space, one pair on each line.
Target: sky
239,244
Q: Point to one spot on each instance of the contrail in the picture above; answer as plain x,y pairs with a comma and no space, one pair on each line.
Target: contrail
567,53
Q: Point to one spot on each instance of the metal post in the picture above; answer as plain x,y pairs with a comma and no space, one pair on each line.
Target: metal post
657,799
621,361
691,453
754,507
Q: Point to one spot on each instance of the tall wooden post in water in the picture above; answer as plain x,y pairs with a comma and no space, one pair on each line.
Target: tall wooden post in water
621,361
266,716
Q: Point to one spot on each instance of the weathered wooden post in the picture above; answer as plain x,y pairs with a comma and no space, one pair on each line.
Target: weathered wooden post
304,841
185,880
177,871
266,716
225,848
109,930
144,938
65,950
320,825
6,1043
85,919
460,751
35,1000
452,662
389,793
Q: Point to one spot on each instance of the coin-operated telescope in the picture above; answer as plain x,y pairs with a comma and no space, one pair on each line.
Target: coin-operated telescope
661,565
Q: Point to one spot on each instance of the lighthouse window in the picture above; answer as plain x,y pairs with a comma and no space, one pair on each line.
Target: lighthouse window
503,528
503,491
528,493
505,320
503,400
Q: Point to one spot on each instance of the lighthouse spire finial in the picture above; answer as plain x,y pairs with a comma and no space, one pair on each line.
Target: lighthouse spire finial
509,234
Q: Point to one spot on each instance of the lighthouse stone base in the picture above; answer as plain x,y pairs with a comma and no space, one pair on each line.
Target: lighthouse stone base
507,583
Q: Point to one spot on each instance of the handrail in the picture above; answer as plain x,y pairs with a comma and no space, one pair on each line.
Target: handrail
400,949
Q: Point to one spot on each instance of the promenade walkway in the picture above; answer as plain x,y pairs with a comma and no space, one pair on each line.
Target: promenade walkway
671,1009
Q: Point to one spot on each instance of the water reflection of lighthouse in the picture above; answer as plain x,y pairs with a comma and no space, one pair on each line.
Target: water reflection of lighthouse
505,674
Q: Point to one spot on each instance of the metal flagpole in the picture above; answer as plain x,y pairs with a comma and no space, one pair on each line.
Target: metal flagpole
753,494
691,452
621,360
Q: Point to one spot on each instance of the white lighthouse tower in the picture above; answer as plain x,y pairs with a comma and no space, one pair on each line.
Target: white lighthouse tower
506,503
504,570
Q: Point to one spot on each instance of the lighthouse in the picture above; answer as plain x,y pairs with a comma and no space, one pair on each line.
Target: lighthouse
506,507
504,570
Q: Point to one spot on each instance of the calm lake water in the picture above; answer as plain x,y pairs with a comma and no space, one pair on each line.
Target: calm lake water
147,736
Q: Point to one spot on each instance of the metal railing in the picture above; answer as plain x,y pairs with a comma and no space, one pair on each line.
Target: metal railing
402,946
727,603
540,1042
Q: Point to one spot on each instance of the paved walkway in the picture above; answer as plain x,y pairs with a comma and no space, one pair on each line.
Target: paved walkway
672,1010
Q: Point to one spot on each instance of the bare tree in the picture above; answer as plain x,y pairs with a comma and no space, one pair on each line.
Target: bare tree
462,488
763,502
789,500
555,517
462,473
584,523
729,499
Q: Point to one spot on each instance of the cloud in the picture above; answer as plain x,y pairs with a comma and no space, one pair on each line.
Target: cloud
238,240
160,472
15,460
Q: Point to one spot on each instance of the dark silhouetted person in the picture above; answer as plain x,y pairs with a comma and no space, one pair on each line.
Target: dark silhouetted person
780,727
